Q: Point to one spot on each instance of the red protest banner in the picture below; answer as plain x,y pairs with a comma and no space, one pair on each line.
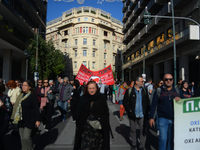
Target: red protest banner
105,75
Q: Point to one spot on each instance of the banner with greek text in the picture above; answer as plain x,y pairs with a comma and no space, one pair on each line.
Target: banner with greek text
105,75
187,124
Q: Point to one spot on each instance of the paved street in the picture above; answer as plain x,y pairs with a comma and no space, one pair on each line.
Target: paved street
61,136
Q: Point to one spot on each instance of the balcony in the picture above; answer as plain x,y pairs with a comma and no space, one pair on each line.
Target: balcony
124,8
165,11
143,3
180,4
106,38
133,17
138,9
124,19
154,7
182,38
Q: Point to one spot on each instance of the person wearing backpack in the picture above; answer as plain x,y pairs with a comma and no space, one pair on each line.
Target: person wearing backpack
136,103
149,86
162,102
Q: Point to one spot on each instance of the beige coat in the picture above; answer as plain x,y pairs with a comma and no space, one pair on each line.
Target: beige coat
16,105
13,94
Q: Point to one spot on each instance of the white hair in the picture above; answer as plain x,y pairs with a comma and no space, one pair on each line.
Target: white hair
50,81
66,78
61,80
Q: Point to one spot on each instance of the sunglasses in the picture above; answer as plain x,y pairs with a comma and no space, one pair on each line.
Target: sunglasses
170,79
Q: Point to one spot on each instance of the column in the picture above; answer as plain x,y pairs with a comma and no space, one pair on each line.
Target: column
23,68
167,66
183,67
129,75
148,71
7,65
156,72
140,71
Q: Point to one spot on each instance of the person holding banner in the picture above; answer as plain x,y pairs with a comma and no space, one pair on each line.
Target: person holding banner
163,103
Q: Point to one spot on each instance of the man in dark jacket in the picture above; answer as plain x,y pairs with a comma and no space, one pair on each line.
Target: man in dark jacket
136,103
64,97
163,102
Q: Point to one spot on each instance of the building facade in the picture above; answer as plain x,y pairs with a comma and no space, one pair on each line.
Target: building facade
87,36
19,20
156,39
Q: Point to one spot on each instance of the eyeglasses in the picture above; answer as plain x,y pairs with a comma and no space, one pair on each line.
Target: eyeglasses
45,82
170,79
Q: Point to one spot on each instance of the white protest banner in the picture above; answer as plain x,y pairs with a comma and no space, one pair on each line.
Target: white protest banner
187,124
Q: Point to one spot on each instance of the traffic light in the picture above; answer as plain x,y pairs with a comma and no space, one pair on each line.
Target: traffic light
147,19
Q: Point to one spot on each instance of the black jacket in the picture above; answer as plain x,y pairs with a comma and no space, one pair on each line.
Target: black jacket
129,103
30,112
6,109
100,111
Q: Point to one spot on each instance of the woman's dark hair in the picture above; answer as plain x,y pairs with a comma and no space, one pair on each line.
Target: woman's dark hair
129,83
2,87
157,83
91,82
76,83
30,84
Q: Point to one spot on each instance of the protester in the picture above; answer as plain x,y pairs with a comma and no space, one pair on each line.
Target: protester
57,83
47,105
158,84
5,113
92,107
180,80
83,87
120,96
163,103
75,99
18,82
102,87
37,90
192,88
131,83
27,115
114,92
65,90
136,103
13,91
110,92
185,91
149,86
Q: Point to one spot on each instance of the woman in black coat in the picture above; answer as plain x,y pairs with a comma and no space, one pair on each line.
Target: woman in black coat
92,106
27,115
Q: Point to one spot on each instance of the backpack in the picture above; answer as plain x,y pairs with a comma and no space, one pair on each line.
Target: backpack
146,87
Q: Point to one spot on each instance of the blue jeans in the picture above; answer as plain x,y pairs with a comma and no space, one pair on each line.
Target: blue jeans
166,131
63,105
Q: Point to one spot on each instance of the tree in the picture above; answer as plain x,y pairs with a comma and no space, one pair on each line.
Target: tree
50,60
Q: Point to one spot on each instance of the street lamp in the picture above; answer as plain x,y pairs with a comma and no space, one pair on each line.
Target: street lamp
27,54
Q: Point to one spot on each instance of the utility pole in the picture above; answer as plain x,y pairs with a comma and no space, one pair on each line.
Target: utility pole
122,65
144,59
36,74
173,24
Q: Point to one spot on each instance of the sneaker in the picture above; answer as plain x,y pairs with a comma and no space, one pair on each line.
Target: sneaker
121,118
64,120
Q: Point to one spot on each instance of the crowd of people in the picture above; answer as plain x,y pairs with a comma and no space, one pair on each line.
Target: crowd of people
25,107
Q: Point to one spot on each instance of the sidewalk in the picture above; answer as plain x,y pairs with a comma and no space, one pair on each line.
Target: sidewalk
61,136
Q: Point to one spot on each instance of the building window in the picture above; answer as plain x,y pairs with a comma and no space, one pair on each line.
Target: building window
113,47
65,43
85,63
92,20
57,46
104,55
75,53
75,64
93,53
104,65
93,65
85,19
76,42
94,42
66,32
84,52
77,30
86,31
104,45
83,29
84,41
105,33
79,19
113,57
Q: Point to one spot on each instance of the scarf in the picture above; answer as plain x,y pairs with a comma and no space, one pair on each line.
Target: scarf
18,114
10,92
87,98
44,100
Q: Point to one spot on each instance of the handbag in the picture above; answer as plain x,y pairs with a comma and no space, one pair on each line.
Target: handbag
94,123
51,96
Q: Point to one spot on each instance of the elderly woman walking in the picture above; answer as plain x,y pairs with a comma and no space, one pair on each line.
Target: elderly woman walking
92,124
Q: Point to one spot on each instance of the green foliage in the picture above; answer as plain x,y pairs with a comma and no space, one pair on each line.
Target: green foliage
68,15
1,17
78,12
105,16
93,12
50,60
86,10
